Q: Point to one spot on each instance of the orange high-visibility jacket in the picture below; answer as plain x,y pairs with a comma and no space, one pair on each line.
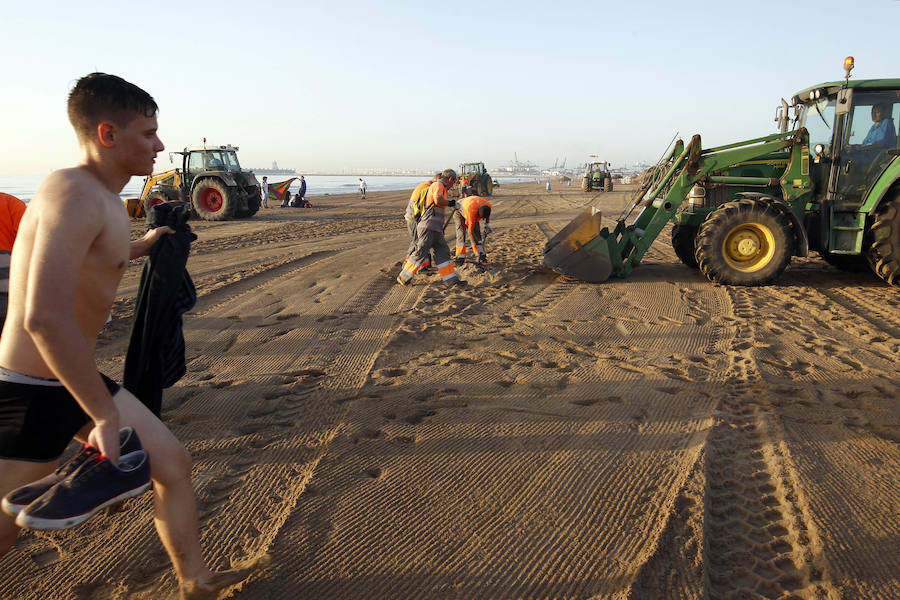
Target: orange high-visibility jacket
11,211
435,203
469,211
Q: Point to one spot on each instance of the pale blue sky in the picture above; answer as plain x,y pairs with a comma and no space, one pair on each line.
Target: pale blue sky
357,85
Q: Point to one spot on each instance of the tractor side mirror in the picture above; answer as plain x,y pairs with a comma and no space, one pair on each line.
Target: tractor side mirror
781,116
844,101
171,160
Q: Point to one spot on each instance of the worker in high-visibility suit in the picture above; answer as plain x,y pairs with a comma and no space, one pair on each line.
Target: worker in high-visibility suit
464,185
414,210
11,211
430,234
469,213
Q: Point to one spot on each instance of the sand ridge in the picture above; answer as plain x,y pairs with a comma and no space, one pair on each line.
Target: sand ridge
528,436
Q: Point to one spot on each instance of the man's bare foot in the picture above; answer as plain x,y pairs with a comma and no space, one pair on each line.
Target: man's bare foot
208,589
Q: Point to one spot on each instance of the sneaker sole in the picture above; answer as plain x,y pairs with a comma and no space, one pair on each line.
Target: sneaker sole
11,509
28,522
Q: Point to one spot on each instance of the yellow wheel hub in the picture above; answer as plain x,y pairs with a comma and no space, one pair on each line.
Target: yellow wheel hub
749,247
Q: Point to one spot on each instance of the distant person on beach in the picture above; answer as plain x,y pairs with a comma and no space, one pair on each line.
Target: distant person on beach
264,190
71,252
11,210
362,188
470,211
430,233
300,199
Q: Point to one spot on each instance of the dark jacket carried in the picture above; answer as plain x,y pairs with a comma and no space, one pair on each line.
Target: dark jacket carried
155,357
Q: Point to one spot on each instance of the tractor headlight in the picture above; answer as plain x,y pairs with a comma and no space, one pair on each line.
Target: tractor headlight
819,149
697,196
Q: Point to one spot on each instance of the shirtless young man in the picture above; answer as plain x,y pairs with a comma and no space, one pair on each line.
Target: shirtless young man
70,253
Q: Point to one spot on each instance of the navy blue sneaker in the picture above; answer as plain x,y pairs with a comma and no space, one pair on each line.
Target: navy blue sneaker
15,501
94,485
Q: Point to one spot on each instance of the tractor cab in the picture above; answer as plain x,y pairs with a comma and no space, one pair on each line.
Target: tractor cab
853,135
220,158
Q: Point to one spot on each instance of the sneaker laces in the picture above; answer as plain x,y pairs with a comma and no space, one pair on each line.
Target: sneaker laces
76,461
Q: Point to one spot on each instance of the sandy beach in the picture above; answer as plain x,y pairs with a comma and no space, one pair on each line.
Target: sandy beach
527,436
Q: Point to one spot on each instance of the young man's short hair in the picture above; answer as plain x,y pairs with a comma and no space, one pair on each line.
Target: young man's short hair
484,211
101,97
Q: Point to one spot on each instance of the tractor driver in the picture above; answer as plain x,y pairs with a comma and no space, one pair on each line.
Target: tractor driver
882,133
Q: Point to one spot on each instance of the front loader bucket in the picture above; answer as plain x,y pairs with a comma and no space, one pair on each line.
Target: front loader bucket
580,249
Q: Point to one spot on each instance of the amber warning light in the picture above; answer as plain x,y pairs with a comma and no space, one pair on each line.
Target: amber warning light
848,65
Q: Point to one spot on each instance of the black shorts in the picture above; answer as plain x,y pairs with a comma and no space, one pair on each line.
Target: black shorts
37,421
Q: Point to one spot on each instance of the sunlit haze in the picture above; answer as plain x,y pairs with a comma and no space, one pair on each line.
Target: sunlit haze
353,86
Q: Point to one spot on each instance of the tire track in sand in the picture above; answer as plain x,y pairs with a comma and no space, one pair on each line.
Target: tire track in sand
759,540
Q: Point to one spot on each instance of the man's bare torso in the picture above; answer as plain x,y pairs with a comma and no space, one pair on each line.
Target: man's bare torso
100,269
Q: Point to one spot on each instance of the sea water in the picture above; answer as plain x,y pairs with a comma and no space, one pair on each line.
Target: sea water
24,186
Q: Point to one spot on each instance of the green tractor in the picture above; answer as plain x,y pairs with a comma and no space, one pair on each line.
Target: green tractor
597,177
828,181
480,180
211,181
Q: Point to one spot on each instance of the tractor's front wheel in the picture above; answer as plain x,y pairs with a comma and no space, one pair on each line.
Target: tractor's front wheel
684,239
213,201
157,197
585,184
747,242
488,186
884,253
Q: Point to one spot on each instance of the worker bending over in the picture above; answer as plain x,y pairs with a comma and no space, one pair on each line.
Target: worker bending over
414,210
470,211
430,234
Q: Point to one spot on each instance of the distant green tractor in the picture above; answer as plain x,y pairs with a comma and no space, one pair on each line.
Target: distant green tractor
829,182
211,181
480,180
597,177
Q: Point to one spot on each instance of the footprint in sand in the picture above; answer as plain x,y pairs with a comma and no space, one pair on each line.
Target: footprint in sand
46,557
419,416
586,402
374,472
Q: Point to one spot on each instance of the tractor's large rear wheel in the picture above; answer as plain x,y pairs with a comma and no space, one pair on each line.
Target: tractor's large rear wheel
213,201
747,242
884,253
585,184
684,239
488,186
607,184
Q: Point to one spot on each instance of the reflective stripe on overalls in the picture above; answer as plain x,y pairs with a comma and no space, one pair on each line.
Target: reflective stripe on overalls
447,271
